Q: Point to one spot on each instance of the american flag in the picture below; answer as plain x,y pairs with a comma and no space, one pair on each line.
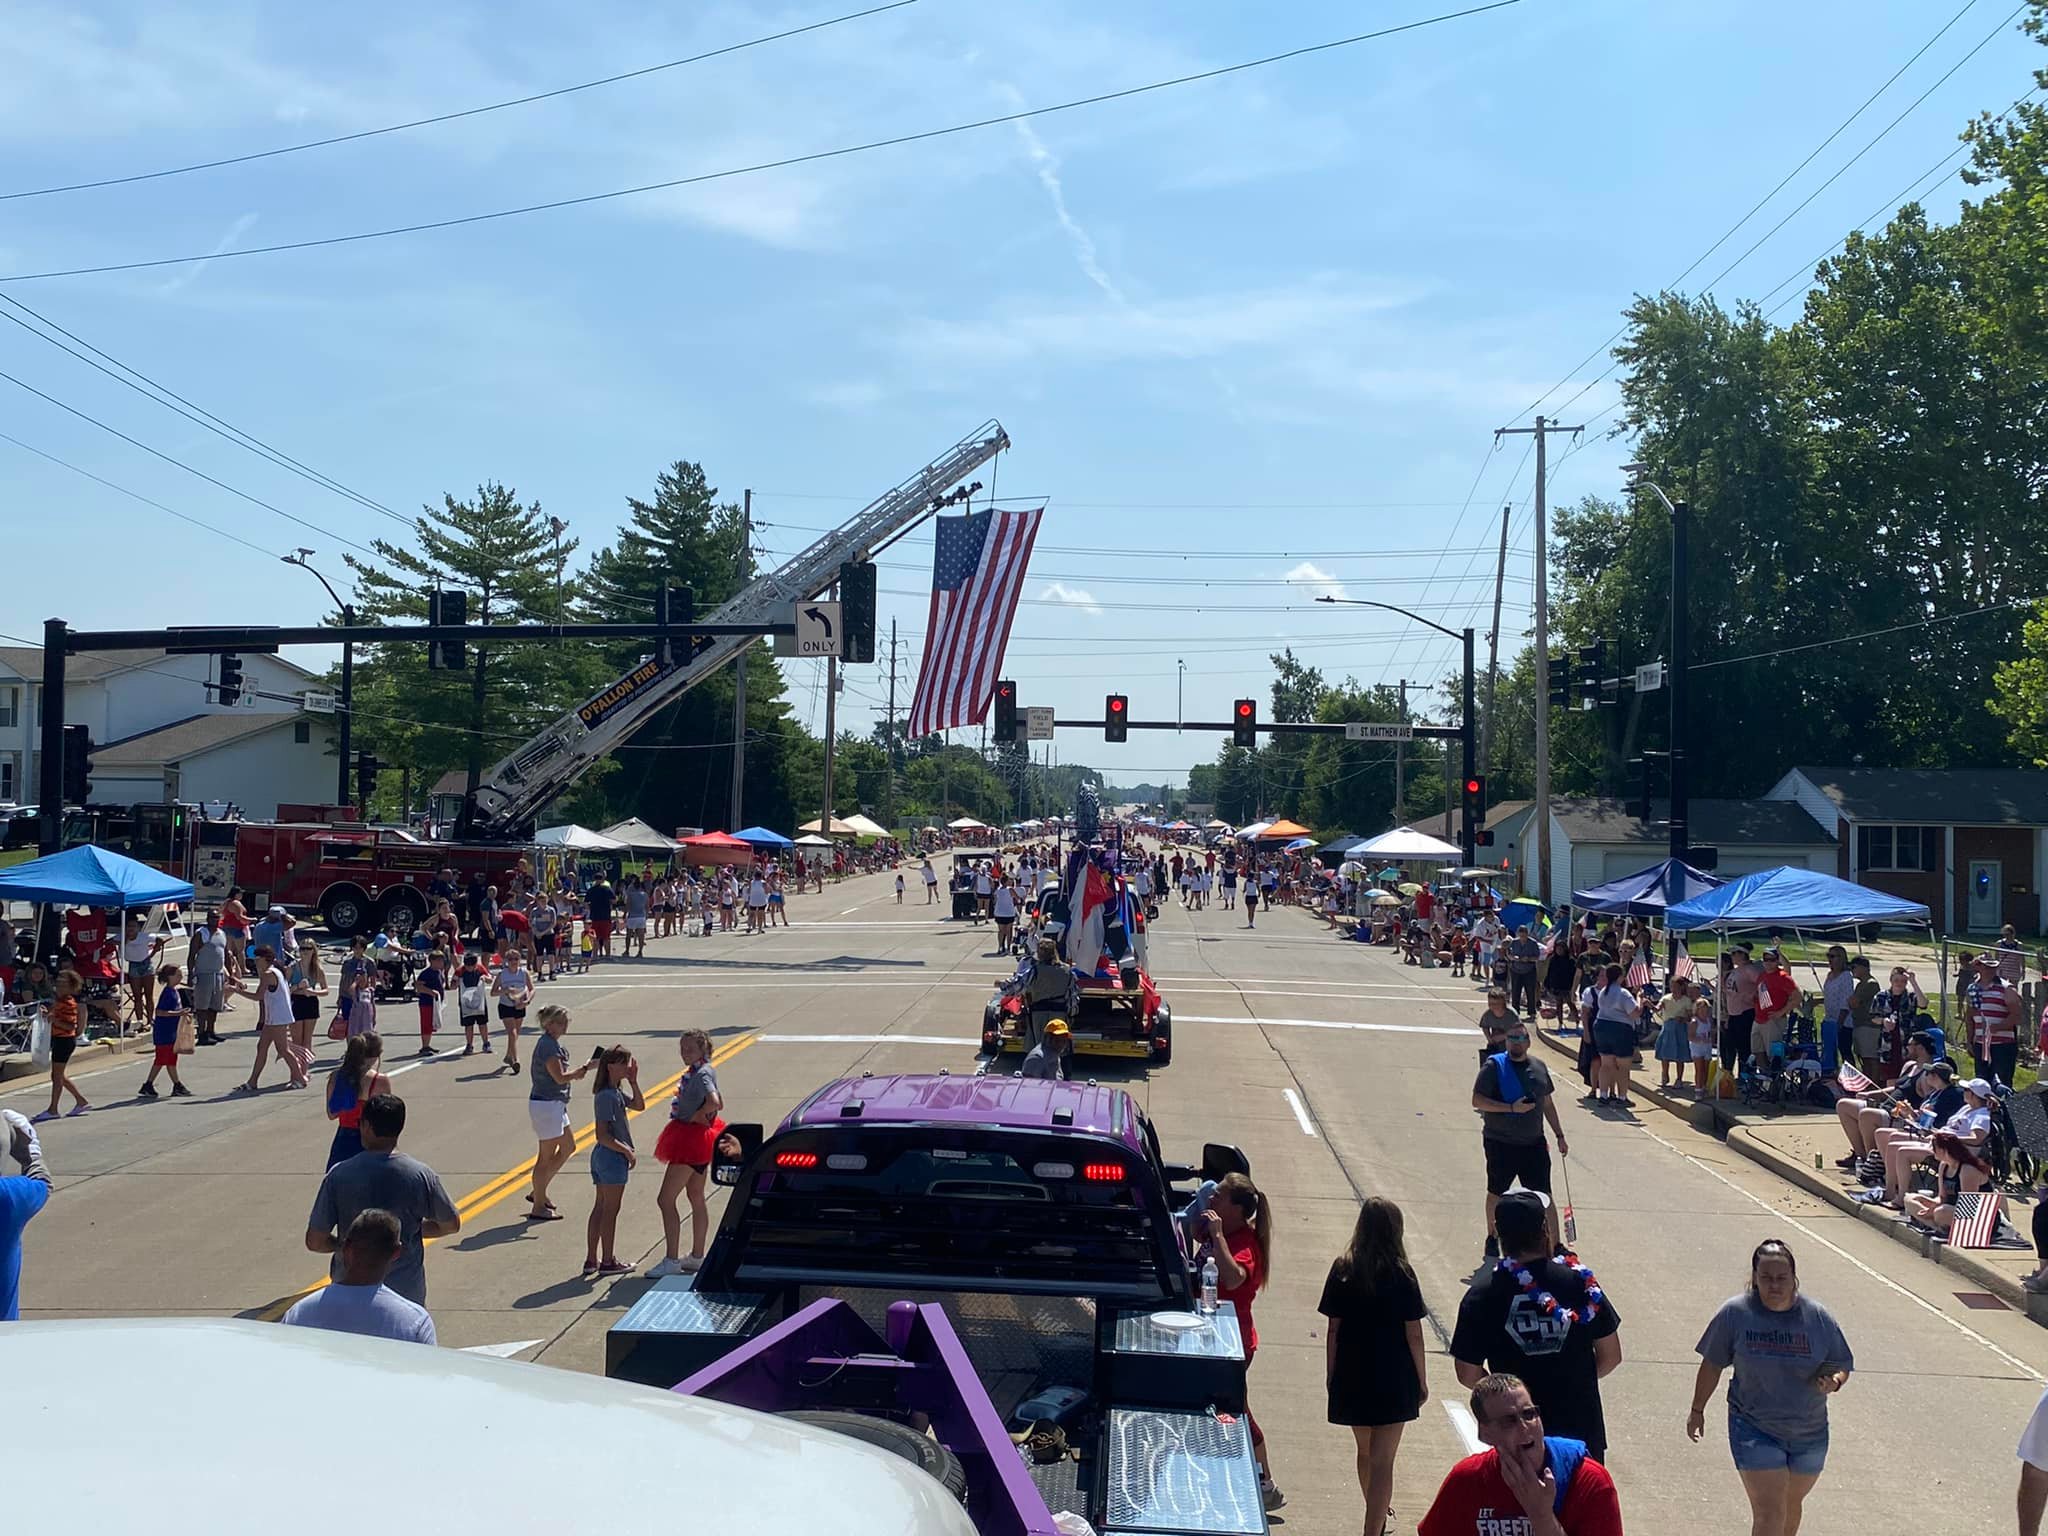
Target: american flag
1851,1080
1639,973
1976,1219
977,574
1684,967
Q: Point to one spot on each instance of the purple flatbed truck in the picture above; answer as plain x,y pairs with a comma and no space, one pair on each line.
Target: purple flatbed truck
989,1276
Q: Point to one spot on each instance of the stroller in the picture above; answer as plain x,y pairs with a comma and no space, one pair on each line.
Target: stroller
1789,1070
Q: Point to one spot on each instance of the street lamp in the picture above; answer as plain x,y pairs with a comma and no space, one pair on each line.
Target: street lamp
557,527
1468,733
1180,679
1679,670
348,668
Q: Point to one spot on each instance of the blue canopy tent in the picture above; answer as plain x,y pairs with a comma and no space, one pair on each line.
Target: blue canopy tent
761,837
91,877
1787,897
1647,892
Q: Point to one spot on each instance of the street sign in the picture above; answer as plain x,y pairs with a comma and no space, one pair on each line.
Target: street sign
317,703
818,631
1378,730
1038,722
1649,679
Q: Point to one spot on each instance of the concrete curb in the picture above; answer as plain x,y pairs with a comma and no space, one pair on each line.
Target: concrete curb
1708,1115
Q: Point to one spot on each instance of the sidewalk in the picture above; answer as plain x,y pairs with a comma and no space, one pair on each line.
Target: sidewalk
1801,1146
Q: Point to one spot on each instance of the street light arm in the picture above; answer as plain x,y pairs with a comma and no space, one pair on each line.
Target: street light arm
305,565
1362,602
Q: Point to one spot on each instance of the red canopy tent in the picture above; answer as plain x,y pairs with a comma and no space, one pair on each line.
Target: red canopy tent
715,848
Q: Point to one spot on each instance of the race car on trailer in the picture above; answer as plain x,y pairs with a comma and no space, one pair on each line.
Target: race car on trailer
1119,1015
990,1277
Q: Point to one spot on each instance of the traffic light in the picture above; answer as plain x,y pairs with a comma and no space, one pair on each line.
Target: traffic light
366,776
1483,838
1639,788
1592,673
78,751
229,689
446,608
1116,718
857,610
1244,723
1560,682
1006,707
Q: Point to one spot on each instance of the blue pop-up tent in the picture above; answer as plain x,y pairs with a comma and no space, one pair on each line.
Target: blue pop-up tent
1788,897
1647,892
91,877
761,837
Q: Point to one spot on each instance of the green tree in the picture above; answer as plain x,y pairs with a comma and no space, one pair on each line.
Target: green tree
2021,695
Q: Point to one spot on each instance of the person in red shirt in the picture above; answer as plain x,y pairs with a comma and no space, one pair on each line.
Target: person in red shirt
1425,903
1237,1233
1776,991
1525,1483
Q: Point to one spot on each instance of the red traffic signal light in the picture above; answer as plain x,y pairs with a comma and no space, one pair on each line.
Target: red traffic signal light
1244,725
1006,710
1116,718
1474,786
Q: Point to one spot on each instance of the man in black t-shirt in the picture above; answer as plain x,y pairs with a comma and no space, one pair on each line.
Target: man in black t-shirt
1513,1094
1558,1351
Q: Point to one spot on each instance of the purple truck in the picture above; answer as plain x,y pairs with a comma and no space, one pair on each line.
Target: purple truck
989,1276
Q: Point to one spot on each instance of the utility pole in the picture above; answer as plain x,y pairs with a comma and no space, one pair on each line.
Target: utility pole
892,743
1400,764
831,731
739,669
1500,577
1677,681
1542,430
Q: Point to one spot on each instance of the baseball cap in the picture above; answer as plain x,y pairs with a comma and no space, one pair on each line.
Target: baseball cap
1058,1027
1979,1087
1519,1220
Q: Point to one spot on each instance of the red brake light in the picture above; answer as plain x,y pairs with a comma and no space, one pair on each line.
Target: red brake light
796,1159
1103,1173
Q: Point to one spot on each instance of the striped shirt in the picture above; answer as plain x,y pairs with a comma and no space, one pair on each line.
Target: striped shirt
1992,1009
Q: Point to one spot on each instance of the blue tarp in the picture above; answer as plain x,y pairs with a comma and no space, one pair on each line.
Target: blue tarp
1791,898
761,836
1647,892
91,877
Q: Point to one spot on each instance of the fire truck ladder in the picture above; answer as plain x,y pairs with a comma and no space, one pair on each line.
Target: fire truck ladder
513,792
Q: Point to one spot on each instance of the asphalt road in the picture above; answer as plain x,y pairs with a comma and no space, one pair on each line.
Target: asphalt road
1337,1069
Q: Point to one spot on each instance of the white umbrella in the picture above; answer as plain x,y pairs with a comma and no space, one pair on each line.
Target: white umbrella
569,835
812,840
861,826
964,823
1406,843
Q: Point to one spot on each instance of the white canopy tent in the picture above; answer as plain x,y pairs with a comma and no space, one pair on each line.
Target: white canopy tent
637,835
862,826
843,828
965,823
812,840
1404,843
581,839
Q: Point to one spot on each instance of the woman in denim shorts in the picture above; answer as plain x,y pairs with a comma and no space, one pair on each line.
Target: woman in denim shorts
1789,1357
611,1157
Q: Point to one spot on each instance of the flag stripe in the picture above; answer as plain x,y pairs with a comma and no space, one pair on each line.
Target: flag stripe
970,622
1976,1219
1852,1080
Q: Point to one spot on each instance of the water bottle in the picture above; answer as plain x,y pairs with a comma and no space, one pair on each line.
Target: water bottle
1209,1285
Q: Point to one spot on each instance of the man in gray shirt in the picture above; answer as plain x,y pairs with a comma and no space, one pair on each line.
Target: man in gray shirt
382,1178
1514,1096
1048,1058
360,1301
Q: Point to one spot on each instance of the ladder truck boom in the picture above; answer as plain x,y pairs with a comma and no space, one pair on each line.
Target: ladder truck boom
515,791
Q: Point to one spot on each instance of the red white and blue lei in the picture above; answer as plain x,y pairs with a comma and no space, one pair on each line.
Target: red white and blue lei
1548,1301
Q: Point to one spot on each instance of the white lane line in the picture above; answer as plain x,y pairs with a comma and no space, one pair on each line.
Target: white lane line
1804,1230
1308,1127
421,1061
849,909
1390,1029
966,1040
1466,1426
503,1351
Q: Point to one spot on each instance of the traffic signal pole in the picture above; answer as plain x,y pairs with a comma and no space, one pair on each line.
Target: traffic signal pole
50,777
1469,834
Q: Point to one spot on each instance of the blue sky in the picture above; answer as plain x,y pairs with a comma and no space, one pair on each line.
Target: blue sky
1251,336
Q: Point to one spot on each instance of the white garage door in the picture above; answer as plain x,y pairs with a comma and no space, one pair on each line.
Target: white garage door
1626,861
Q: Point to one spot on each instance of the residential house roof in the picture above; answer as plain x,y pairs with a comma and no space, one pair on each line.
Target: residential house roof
1597,819
2012,797
1496,814
186,738
27,661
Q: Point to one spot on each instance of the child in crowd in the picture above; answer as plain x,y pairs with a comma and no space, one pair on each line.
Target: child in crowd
611,1157
430,986
1701,1042
473,1003
1674,1048
172,1008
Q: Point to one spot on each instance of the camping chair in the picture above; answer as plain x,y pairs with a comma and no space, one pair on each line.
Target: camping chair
2026,1117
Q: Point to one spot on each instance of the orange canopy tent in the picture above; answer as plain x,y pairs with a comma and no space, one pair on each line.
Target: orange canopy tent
715,848
1283,831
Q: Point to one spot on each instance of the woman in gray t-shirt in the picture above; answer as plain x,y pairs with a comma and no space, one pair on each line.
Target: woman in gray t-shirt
612,1158
1789,1357
547,1106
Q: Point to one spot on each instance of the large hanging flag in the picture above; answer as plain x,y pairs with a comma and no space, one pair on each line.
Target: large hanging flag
978,565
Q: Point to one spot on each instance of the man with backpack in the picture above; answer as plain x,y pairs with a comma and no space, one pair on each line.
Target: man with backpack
1512,1091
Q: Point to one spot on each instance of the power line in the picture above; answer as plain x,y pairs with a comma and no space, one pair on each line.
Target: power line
1730,231
203,417
765,165
256,501
2006,606
1127,552
1140,506
444,117
222,533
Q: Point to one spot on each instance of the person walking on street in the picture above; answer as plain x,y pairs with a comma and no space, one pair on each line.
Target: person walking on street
352,1085
1545,1320
931,880
1045,985
473,1003
684,1150
67,1014
360,1302
1558,1488
273,995
611,1158
513,988
382,1178
1372,1350
172,1010
1789,1357
1522,954
547,1106
1615,1009
1515,1097
308,984
600,899
1048,1058
1237,1232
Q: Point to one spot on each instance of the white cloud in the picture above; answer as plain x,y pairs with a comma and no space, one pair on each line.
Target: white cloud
1072,597
1319,581
225,243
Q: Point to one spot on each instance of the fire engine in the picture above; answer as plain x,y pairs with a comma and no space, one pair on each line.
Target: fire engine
359,878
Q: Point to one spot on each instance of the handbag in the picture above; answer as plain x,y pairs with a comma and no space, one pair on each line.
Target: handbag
337,1028
39,1040
188,1035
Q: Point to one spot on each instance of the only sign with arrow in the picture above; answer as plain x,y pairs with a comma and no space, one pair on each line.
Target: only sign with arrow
818,630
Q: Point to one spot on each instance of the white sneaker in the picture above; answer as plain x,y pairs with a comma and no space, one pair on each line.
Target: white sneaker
690,1263
665,1267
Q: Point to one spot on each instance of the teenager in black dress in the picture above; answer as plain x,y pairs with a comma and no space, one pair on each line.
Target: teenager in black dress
1374,1348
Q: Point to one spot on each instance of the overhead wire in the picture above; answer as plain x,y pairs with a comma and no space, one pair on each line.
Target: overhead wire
445,117
781,163
217,532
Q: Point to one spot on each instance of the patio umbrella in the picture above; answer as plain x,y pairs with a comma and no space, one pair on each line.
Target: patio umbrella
1407,887
1384,900
1298,844
1373,893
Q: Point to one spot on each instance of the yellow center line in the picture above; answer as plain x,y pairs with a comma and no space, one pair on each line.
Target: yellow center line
479,1200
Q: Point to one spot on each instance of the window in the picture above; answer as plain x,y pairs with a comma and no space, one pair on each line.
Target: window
1898,848
7,779
10,707
302,732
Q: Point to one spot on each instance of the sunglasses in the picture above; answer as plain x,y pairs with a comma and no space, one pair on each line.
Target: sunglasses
1529,1415
1511,1039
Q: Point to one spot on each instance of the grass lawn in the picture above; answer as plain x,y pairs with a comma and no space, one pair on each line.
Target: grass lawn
13,856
